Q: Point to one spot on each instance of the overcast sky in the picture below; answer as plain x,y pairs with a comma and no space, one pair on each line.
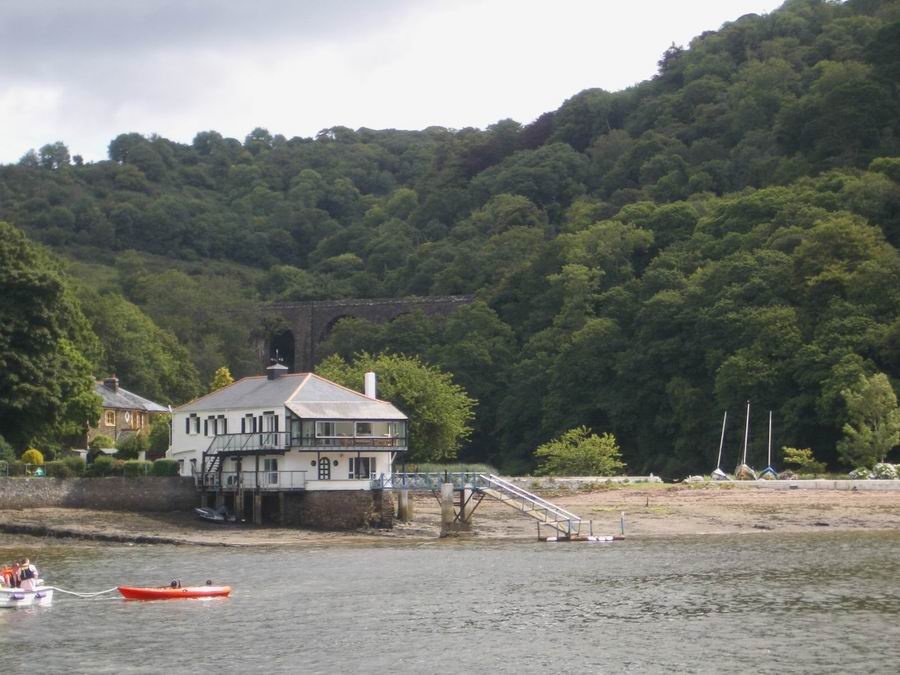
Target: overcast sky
84,71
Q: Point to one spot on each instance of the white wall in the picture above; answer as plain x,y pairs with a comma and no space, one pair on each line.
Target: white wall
192,446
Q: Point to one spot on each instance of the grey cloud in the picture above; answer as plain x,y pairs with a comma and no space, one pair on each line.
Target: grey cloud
35,33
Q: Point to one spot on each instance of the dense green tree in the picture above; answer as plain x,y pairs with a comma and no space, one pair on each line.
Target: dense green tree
439,410
578,452
45,344
148,360
221,378
643,259
873,429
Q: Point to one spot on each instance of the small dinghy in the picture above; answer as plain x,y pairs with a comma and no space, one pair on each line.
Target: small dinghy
174,593
219,515
39,596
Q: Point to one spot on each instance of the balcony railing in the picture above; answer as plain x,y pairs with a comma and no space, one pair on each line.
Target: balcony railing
245,443
252,480
348,442
282,440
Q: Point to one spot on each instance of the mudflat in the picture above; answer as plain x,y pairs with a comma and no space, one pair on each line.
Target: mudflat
649,511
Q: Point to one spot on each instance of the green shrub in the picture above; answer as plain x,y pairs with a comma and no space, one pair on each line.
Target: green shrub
136,467
103,465
578,452
130,446
802,459
75,463
164,467
159,436
59,469
884,471
101,442
33,456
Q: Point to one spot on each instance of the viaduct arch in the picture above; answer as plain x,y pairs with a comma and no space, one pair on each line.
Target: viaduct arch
301,326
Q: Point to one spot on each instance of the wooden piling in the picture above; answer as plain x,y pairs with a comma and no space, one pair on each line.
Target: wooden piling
257,508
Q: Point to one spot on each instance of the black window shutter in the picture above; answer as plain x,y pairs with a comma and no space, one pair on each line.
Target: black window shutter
225,425
206,427
243,425
187,425
276,422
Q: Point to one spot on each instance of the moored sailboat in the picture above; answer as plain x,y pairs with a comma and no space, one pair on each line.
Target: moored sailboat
718,474
744,472
769,472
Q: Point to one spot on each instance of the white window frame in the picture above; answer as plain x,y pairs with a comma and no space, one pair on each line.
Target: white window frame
353,468
107,416
320,433
270,471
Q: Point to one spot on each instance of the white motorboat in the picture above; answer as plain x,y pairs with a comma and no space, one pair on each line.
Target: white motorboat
39,596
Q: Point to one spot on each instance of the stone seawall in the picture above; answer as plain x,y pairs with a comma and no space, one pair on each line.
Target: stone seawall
145,493
339,509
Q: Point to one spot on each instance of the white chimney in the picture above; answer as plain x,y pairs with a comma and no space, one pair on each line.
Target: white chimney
370,385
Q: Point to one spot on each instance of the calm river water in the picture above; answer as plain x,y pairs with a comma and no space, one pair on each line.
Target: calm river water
762,603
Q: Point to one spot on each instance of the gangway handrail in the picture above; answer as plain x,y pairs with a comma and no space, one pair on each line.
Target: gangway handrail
524,494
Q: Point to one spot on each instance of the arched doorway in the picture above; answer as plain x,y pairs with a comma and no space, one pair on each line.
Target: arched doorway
281,346
324,469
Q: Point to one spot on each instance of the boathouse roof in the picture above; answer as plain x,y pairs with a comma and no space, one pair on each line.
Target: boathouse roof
305,394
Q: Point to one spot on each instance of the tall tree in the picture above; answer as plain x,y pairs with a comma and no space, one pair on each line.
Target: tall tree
45,375
439,410
874,426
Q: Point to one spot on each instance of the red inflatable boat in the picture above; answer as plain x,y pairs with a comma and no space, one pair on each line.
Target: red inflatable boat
169,593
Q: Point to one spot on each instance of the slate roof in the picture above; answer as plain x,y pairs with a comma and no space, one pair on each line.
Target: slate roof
306,394
122,399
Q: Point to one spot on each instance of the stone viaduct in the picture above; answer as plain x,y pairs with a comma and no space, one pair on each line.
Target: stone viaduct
299,327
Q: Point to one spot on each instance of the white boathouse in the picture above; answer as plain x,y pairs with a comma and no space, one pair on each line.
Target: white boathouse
292,449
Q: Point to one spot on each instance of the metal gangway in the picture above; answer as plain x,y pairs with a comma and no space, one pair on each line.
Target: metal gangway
567,524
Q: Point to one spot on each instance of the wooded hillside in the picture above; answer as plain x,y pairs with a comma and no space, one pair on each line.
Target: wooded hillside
643,259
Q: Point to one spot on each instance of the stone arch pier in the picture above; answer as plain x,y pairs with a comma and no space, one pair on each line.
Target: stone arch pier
299,327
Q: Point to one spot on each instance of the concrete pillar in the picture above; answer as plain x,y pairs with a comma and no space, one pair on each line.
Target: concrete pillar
447,513
404,506
466,506
257,508
220,499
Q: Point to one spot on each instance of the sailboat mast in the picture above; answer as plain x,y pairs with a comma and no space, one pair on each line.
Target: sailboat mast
770,440
721,441
746,433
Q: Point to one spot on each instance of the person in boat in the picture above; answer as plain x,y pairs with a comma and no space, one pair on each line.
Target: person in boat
28,575
6,576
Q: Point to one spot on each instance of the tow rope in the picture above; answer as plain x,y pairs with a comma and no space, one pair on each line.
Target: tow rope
83,595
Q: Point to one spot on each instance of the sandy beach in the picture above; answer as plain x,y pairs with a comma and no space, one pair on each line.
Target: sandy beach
650,511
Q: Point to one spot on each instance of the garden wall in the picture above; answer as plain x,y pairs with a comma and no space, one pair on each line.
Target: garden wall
144,493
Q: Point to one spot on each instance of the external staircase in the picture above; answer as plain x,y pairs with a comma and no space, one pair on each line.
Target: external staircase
565,523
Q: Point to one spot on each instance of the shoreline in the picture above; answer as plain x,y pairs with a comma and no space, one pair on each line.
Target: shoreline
649,512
